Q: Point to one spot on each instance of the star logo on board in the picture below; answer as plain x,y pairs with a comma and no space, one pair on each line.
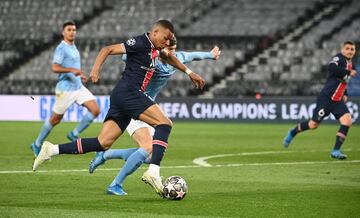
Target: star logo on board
131,42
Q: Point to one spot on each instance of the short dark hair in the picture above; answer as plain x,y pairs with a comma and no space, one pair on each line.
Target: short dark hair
69,23
348,42
166,24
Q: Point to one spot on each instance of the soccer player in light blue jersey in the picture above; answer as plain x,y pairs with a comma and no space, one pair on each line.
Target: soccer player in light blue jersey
140,131
69,89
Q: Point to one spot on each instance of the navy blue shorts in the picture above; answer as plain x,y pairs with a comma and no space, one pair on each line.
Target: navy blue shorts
127,103
325,106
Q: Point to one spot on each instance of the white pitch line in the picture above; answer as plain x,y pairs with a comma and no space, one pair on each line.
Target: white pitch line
202,161
289,163
189,166
82,170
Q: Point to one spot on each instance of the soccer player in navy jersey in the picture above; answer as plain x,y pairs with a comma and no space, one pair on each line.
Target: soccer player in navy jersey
140,131
128,100
69,89
332,99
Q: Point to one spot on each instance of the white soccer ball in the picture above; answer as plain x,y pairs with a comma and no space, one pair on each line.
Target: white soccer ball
175,188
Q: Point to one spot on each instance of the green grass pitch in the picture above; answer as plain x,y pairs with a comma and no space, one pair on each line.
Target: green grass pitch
249,175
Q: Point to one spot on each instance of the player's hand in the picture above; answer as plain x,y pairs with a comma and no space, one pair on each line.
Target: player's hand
84,78
345,98
353,73
216,52
94,75
77,72
198,81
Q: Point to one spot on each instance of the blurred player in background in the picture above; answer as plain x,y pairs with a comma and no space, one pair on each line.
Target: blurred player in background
140,131
332,99
69,89
128,101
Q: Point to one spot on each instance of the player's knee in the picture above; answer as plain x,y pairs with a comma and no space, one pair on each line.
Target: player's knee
54,121
168,122
346,123
95,112
313,125
346,120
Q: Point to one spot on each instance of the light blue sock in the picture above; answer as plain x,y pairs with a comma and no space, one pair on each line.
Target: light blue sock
132,163
84,123
44,132
147,160
119,153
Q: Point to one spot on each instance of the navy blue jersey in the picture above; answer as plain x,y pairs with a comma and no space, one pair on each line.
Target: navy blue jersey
337,78
140,63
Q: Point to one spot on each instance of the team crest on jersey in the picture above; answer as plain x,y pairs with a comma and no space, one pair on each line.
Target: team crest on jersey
131,42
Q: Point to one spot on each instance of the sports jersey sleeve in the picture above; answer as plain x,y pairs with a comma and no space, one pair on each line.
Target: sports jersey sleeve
58,56
133,45
186,57
337,69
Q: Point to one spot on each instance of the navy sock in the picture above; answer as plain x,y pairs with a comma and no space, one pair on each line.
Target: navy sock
160,143
80,146
340,136
300,128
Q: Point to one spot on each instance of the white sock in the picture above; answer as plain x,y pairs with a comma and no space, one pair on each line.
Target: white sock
53,150
154,169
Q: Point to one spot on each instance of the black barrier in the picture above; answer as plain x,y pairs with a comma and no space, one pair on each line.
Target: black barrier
274,110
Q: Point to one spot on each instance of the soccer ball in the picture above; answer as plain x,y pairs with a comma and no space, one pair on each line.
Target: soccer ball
175,188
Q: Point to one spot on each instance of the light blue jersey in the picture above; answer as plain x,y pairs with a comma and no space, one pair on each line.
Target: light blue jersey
67,56
163,71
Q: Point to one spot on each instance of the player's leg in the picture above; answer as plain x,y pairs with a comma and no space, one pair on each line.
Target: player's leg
140,132
86,99
155,117
319,113
108,134
131,165
342,113
300,127
134,161
144,137
45,131
62,102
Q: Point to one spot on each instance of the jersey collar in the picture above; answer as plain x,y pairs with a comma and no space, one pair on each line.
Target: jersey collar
63,41
152,45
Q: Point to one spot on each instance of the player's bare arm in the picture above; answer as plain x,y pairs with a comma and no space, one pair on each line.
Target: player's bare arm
171,59
57,68
116,49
